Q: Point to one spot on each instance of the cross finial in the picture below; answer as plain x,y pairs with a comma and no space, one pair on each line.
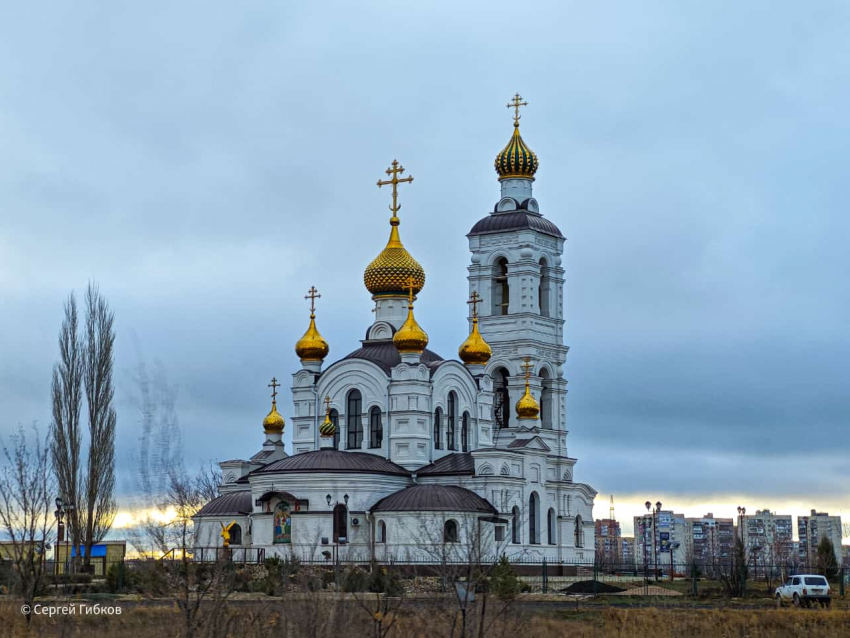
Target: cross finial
410,286
527,367
274,385
394,171
515,103
327,404
474,299
312,295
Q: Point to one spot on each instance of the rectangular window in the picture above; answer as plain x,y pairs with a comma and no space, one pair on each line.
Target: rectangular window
500,533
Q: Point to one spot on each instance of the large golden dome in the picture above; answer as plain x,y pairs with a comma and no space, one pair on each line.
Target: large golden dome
410,337
388,272
274,422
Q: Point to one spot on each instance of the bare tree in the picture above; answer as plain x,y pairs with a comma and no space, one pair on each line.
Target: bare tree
26,496
86,364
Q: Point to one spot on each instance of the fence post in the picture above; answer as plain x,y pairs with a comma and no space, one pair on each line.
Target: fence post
595,576
545,581
841,578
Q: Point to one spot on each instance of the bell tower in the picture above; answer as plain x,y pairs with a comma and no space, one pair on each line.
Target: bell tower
516,268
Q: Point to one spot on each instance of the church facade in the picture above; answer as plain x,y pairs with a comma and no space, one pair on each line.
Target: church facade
399,454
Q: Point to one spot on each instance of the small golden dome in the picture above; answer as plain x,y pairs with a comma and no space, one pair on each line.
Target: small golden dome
274,422
527,407
312,346
410,337
475,350
327,428
389,271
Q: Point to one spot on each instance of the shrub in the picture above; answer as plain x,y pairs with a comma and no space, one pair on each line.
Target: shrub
119,578
504,582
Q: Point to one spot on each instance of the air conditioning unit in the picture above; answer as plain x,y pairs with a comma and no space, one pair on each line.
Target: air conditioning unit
355,522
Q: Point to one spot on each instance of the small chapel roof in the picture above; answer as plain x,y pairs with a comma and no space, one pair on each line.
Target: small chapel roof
334,461
501,222
384,354
450,464
231,504
434,498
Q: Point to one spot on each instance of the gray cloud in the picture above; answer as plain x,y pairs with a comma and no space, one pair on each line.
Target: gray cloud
207,164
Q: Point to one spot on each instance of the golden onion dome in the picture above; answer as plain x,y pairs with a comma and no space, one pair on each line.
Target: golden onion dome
527,407
274,422
475,350
312,346
516,159
327,427
410,337
389,271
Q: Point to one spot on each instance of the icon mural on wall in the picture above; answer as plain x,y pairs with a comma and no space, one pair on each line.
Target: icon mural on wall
282,523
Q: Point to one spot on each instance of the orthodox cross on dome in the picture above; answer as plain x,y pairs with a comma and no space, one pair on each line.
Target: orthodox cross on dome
515,103
527,367
274,385
312,295
394,171
474,299
410,286
327,404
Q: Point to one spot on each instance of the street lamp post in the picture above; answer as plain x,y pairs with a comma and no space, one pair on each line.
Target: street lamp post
655,512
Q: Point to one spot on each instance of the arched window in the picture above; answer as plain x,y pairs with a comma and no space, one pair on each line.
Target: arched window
236,535
551,527
340,524
376,428
502,405
464,433
354,420
438,424
545,290
579,532
451,419
501,293
381,536
515,525
450,532
547,409
533,527
334,416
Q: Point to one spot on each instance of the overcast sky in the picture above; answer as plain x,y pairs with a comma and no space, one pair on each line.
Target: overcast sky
207,162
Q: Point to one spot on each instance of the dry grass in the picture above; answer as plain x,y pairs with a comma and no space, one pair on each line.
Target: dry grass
324,617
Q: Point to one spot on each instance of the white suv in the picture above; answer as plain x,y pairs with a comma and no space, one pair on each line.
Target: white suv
804,589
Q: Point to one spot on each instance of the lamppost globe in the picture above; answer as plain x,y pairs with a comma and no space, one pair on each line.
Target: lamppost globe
658,506
648,505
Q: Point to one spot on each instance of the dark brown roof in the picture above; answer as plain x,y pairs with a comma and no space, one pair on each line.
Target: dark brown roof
384,354
514,220
228,505
434,498
334,461
453,464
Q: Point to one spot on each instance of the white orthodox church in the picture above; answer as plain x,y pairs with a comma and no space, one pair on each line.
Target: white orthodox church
399,454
